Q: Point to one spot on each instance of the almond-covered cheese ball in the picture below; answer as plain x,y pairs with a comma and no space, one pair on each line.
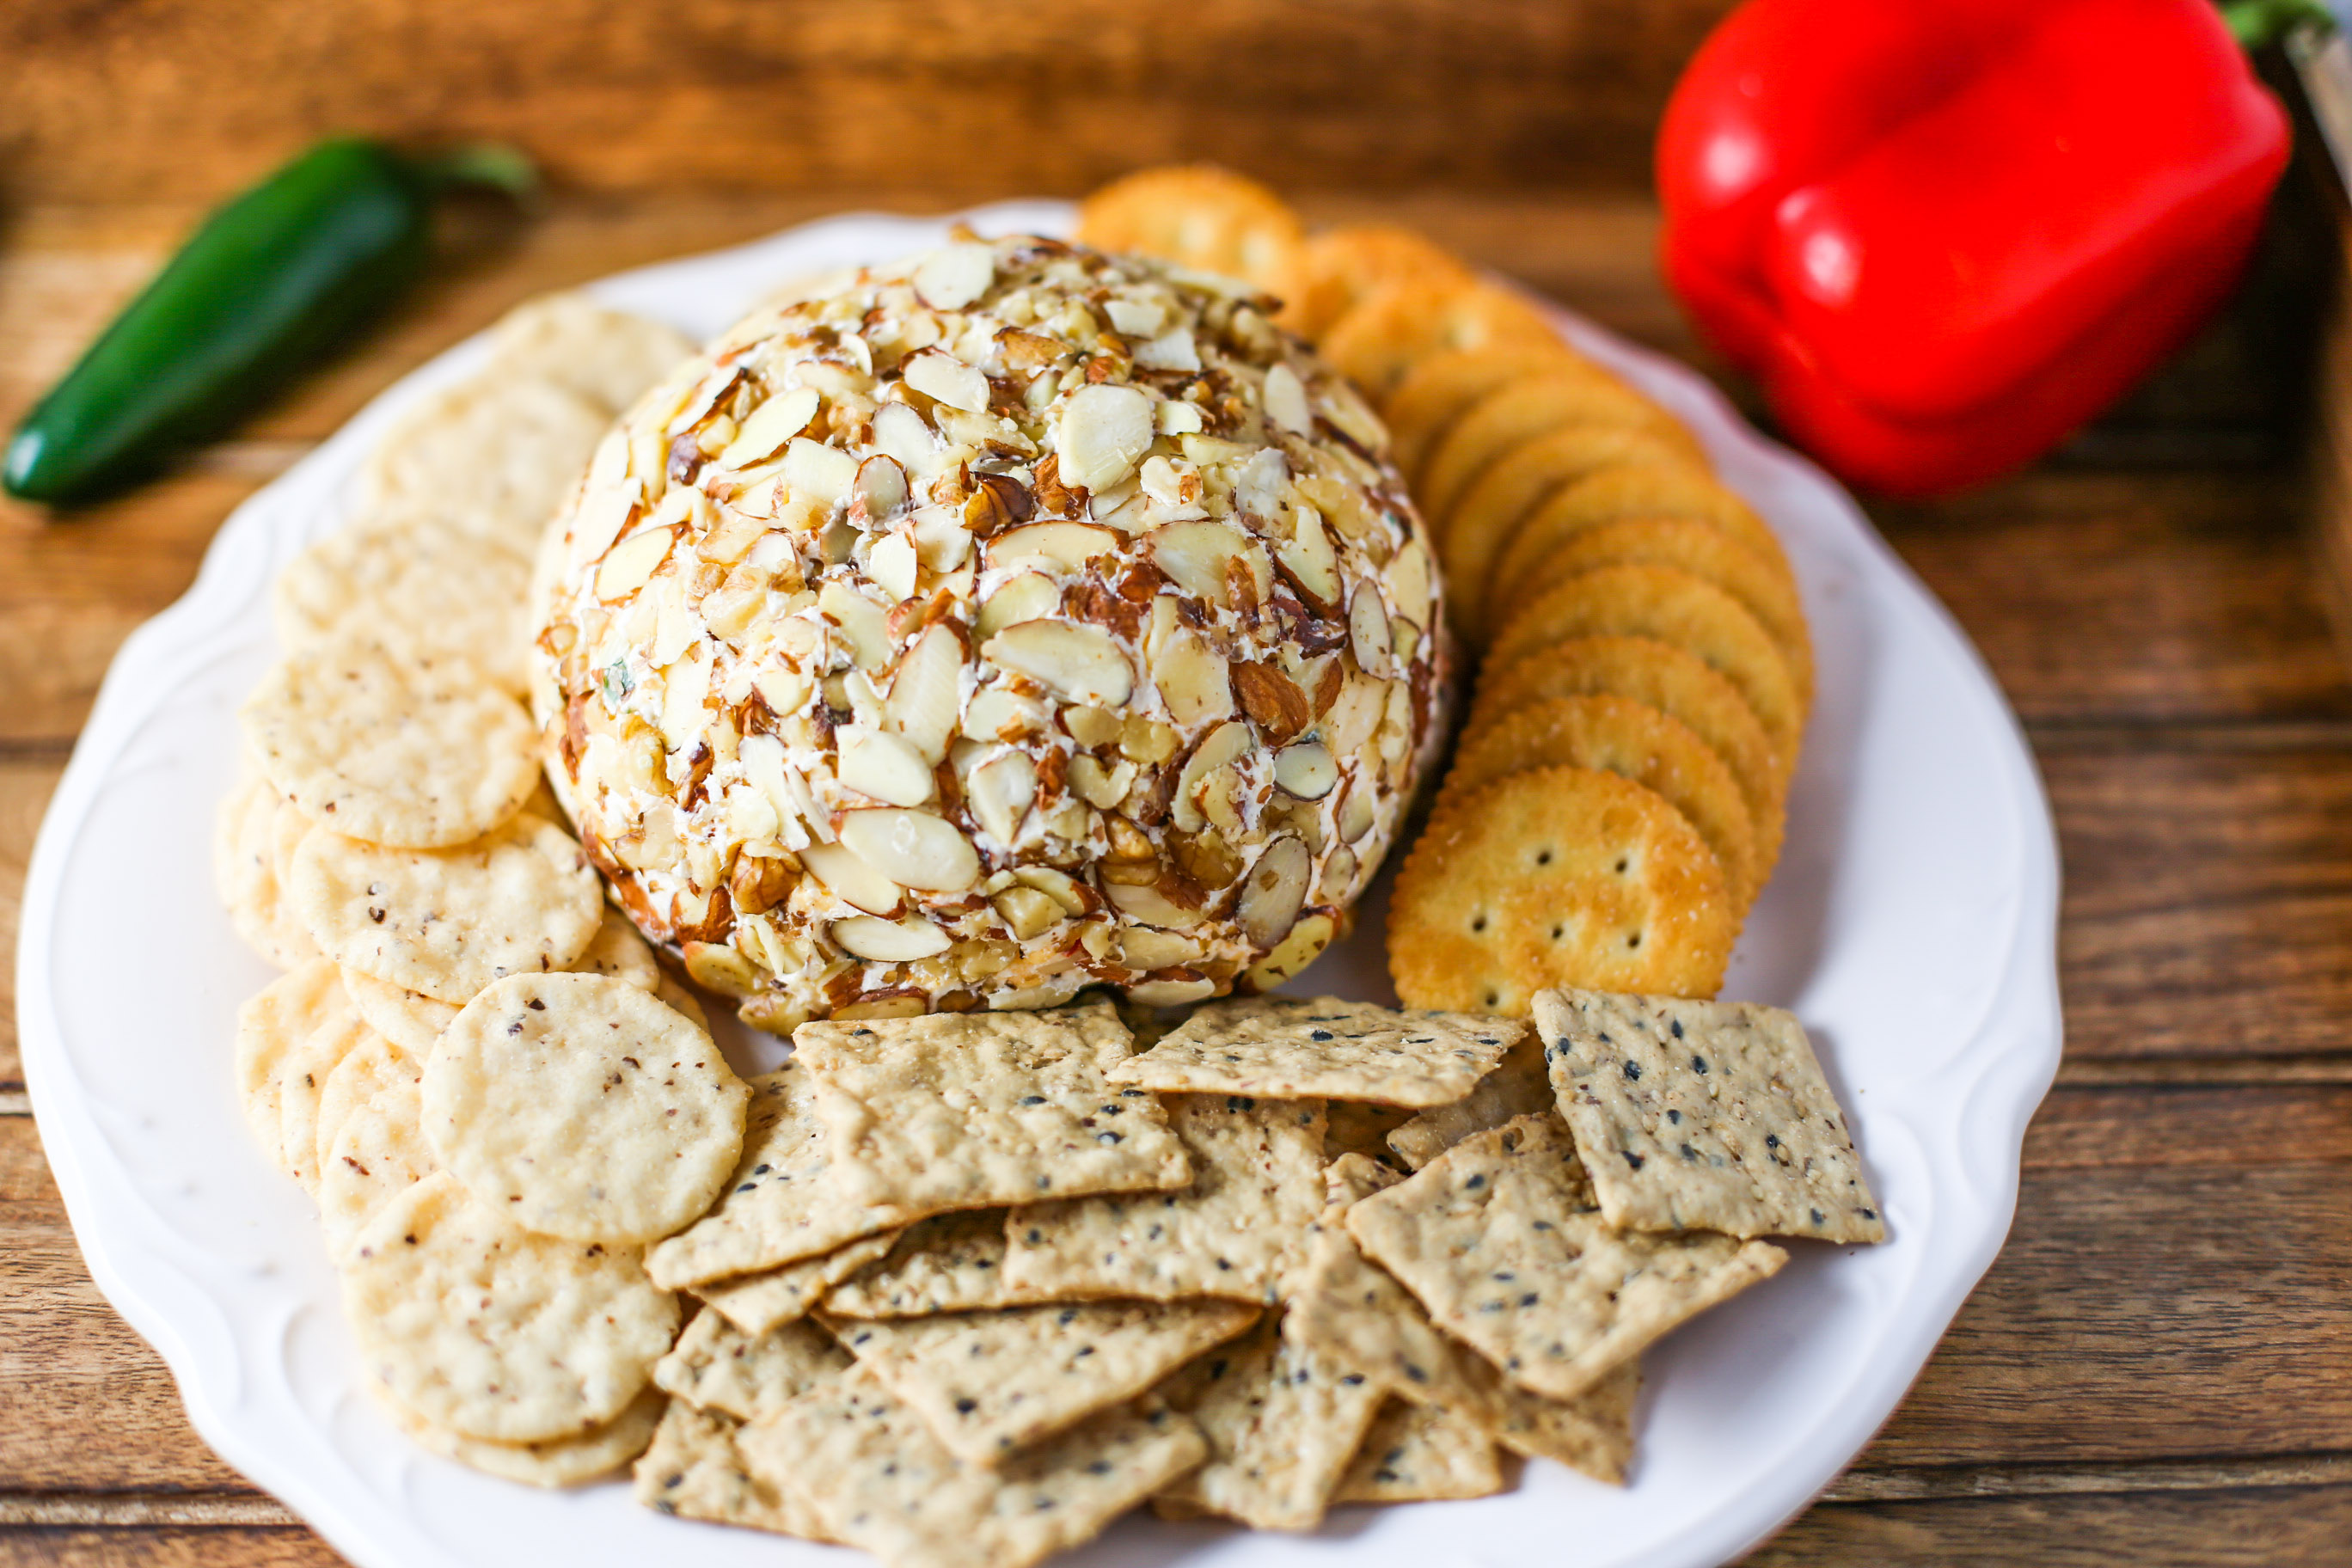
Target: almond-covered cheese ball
1008,620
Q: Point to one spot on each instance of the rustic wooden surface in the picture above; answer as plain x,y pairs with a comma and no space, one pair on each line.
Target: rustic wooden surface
2159,1369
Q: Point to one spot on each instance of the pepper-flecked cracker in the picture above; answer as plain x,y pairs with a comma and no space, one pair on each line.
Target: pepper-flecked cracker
1418,1453
948,1263
479,1326
785,1201
693,1471
717,1366
1289,1047
557,1462
1343,1309
1281,1423
245,872
1705,1116
758,1302
880,1481
420,585
989,1384
1517,1087
1501,1242
1257,1183
1557,877
980,1110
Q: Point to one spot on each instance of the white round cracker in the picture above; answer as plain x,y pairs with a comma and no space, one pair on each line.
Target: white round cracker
376,1153
446,923
620,954
605,355
245,871
417,584
392,749
371,1065
269,1026
495,455
407,1018
479,1326
580,1105
559,1462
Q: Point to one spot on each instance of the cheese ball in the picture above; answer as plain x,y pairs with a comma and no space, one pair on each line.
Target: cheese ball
1004,621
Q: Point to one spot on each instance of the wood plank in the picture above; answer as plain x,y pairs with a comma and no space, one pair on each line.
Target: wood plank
25,790
743,96
2191,1125
2284,1527
2208,902
283,1547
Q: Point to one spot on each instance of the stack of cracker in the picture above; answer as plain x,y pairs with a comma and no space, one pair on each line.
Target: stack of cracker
1617,802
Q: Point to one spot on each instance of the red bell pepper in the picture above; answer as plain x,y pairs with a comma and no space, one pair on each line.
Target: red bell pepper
1944,233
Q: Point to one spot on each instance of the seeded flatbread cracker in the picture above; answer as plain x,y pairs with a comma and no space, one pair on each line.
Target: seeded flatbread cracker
421,586
1624,491
1557,877
391,749
881,1481
409,1019
1530,406
478,1325
1351,1128
604,356
1478,524
784,1201
1674,607
1377,343
1342,266
1199,216
1258,1181
1763,587
1705,1116
755,1304
1281,1423
579,1106
494,455
948,1263
1500,1241
1417,1453
978,1109
1441,389
377,1152
1680,684
522,898
1343,1309
1291,1048
558,1462
717,1366
1517,1087
693,1471
989,1384
1633,741
245,872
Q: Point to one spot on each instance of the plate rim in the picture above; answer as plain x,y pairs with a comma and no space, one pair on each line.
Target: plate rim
2001,1089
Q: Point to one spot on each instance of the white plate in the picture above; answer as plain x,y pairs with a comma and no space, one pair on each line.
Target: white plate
1912,925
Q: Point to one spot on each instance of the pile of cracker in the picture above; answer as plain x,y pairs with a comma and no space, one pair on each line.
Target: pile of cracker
1617,799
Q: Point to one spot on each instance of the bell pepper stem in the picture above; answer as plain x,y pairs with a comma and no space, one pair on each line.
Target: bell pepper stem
2254,23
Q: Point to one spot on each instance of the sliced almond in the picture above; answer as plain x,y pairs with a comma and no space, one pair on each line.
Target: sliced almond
1141,947
893,566
999,791
1135,318
948,379
1058,546
628,563
1171,993
1195,555
1222,745
865,626
1275,891
817,473
926,691
1171,350
1102,432
1285,401
1272,699
913,848
878,493
1192,680
1367,632
1409,578
1148,905
1305,770
771,425
721,968
1024,596
1098,785
901,433
995,713
1355,815
853,879
1179,418
1059,886
1091,726
1339,878
885,767
890,942
1355,713
1303,946
1309,560
1081,662
955,275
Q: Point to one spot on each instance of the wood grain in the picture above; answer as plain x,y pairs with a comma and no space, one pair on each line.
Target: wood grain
25,790
2285,1527
284,1547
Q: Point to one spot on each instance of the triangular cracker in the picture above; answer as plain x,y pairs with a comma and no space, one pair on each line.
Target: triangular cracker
991,1383
1418,1453
1705,1116
1500,1242
960,1110
1282,1423
1287,1047
785,1201
1257,1184
880,1481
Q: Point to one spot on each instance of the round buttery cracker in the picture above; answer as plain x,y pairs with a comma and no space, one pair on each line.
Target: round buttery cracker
1630,490
479,1326
521,899
376,1153
607,356
417,584
1633,741
1674,683
1341,266
559,1461
1377,343
1444,387
580,1105
391,749
1672,606
1518,411
1201,216
494,455
1557,877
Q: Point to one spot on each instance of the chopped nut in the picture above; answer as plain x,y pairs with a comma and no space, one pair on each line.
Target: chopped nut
721,968
760,882
996,503
1271,700
1029,913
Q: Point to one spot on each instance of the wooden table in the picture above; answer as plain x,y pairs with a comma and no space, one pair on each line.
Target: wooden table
2159,1369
